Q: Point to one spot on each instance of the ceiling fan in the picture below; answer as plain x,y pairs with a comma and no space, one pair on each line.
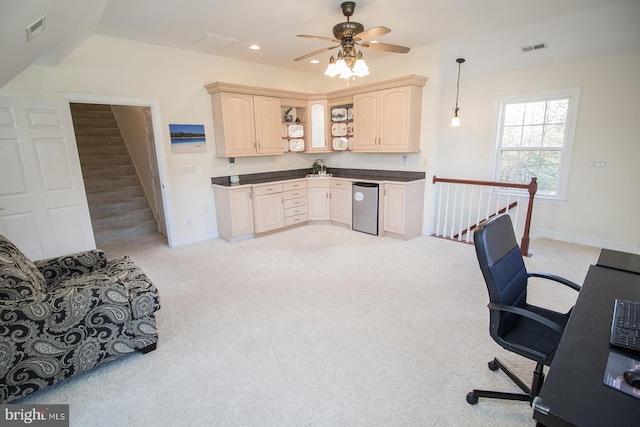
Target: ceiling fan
351,34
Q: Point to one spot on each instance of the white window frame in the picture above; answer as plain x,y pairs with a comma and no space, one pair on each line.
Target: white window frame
573,95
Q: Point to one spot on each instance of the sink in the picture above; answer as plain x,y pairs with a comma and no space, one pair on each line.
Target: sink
318,175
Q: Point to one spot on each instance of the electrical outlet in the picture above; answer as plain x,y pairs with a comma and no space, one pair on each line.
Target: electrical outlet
424,162
405,160
599,164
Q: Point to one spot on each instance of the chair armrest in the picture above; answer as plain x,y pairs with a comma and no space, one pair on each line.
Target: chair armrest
68,266
526,313
558,279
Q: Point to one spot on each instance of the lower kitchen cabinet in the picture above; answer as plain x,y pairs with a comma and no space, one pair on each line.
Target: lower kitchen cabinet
268,207
340,195
403,208
234,211
318,200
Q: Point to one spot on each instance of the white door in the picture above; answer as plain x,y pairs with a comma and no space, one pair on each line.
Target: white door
43,206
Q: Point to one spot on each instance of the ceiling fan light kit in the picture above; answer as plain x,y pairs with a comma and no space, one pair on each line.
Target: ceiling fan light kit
350,61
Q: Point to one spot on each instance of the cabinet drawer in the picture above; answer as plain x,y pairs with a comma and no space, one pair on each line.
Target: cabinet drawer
293,194
294,185
267,189
335,183
292,203
296,219
297,210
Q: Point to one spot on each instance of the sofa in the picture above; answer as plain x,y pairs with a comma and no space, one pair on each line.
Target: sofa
63,316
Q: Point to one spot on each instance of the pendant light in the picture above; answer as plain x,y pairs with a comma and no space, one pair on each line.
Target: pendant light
455,120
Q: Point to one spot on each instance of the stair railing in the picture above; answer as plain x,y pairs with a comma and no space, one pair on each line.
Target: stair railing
460,205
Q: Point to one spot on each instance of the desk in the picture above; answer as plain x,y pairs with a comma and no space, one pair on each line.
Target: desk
573,392
619,260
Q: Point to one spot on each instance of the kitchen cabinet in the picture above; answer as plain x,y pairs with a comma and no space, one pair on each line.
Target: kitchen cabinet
295,202
340,205
246,125
234,212
319,202
403,208
387,121
268,207
318,141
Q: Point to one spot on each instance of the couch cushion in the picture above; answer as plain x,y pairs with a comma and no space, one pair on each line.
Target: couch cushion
19,277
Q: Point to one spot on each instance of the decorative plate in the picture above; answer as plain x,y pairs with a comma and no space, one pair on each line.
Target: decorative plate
340,143
296,131
296,144
285,145
338,114
283,131
350,143
350,113
350,129
339,129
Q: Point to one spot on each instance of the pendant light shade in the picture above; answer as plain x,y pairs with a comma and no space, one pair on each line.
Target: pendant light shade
455,120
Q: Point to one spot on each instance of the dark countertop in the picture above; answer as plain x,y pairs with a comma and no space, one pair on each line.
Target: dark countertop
355,174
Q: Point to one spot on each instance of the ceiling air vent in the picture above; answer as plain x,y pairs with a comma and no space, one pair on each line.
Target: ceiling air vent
36,28
216,42
533,47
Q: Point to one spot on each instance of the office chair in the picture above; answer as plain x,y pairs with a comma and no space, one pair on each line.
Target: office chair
530,331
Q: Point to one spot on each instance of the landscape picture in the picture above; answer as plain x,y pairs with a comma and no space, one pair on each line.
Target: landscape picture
187,138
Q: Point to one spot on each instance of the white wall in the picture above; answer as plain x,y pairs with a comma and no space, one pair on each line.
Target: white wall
602,204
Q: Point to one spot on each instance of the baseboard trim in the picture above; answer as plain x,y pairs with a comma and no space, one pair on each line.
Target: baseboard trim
588,241
196,239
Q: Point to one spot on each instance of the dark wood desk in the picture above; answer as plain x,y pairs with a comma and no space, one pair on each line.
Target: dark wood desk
573,392
619,260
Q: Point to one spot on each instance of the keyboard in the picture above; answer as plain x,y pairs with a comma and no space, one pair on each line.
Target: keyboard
624,325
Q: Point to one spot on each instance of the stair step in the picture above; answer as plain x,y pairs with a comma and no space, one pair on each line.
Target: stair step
122,232
109,183
104,161
122,218
118,205
112,132
95,122
102,195
76,106
100,141
93,151
89,172
89,114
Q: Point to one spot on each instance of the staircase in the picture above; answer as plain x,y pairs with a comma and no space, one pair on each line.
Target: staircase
117,203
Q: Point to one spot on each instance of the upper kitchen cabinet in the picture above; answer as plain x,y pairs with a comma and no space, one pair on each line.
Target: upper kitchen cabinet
318,140
246,125
388,120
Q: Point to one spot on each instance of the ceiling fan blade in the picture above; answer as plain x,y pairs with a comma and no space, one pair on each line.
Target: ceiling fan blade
326,39
309,55
386,47
371,33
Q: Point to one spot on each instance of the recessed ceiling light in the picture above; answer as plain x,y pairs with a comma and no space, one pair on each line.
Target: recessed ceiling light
315,61
373,41
255,47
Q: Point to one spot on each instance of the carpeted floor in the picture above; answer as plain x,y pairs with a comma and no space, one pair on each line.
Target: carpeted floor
315,326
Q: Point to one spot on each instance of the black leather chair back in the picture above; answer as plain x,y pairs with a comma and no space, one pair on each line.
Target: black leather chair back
503,269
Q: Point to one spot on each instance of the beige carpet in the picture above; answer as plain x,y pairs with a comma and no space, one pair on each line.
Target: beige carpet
315,326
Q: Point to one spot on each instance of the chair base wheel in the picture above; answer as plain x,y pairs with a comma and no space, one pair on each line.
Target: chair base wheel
493,365
471,398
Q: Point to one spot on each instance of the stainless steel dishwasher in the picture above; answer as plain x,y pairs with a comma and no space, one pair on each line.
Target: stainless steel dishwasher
365,207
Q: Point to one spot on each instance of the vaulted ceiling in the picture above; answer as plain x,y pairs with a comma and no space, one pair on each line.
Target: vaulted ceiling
492,32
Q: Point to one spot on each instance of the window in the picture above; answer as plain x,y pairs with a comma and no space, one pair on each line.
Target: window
535,136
